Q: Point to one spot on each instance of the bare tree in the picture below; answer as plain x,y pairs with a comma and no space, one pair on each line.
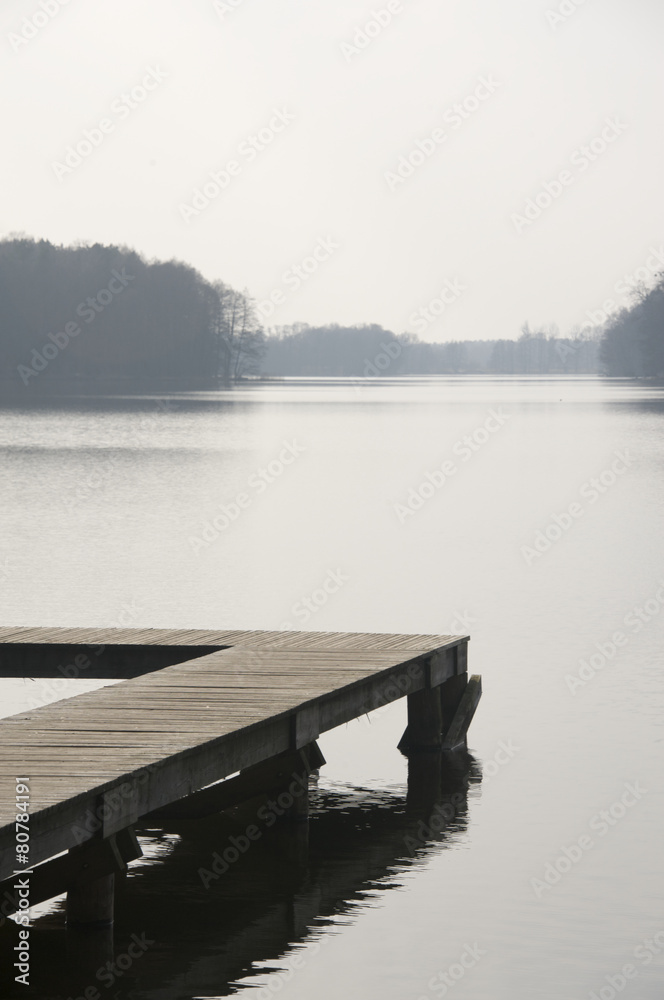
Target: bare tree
239,336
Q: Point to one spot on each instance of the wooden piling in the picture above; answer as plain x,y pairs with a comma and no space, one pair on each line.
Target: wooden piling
90,904
451,693
425,724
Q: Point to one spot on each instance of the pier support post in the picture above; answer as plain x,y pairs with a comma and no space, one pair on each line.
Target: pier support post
91,882
90,904
440,713
425,722
86,873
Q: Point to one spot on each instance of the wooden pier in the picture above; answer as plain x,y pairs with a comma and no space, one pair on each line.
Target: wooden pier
205,721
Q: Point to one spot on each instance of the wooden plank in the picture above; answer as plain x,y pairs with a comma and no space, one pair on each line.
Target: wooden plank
74,817
442,666
461,654
261,779
184,637
120,811
306,725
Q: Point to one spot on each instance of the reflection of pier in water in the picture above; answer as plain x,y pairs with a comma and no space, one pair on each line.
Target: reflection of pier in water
207,940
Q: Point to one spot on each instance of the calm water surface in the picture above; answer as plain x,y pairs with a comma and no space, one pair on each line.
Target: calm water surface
156,512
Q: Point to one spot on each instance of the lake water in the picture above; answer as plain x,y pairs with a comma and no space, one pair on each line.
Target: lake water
527,512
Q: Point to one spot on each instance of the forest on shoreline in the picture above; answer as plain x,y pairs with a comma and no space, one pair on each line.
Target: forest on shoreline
95,316
370,351
91,314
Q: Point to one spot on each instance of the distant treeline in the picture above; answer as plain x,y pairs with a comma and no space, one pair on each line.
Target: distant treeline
633,339
368,351
104,313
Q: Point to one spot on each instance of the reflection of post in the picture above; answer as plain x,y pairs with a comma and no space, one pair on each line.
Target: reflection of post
290,804
424,783
294,824
437,792
90,925
280,798
88,950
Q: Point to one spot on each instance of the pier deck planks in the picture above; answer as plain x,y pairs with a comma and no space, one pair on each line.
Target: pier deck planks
163,735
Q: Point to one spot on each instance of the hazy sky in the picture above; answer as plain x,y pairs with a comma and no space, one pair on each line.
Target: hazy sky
339,113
